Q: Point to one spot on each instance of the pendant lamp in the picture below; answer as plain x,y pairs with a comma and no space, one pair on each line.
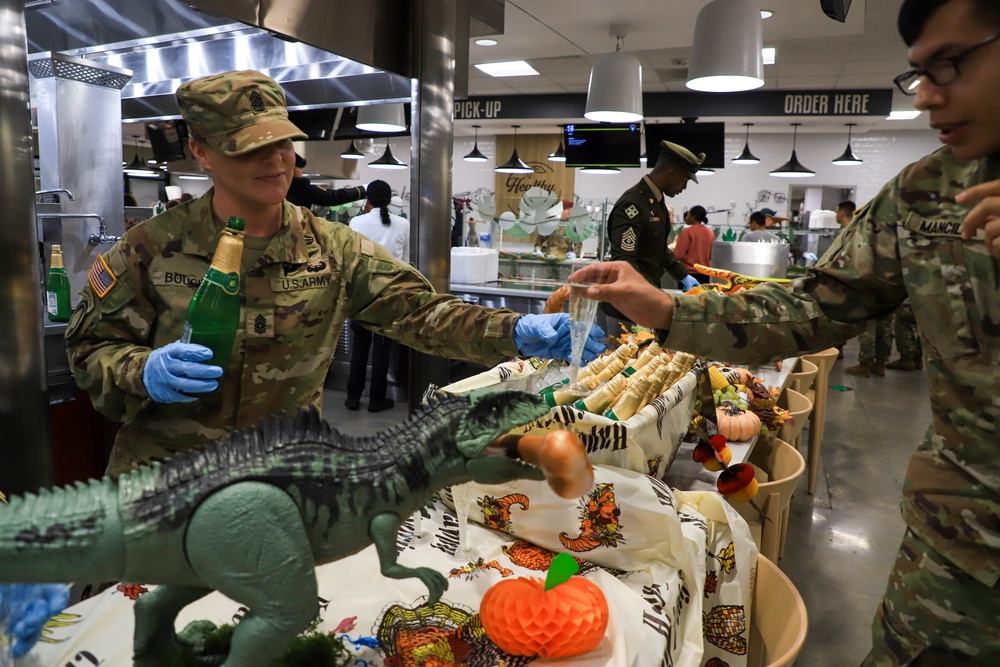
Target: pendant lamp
793,168
137,167
600,170
475,155
352,153
514,165
560,153
725,56
848,158
705,171
387,161
746,157
614,94
381,118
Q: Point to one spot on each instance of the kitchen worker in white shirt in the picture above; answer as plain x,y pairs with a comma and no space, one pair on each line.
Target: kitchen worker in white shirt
393,233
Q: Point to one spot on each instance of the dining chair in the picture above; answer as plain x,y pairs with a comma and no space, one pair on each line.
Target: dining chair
778,467
824,364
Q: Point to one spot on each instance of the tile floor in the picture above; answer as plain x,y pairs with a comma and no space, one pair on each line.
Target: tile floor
842,540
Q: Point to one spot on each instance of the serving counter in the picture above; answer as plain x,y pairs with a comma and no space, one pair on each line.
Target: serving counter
521,296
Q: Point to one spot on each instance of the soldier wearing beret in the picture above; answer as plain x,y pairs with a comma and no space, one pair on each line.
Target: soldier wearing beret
301,278
930,235
304,193
639,224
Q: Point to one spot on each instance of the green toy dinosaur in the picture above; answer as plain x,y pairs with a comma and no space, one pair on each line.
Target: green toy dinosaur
252,516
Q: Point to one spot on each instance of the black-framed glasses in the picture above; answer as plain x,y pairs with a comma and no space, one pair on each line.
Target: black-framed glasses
940,72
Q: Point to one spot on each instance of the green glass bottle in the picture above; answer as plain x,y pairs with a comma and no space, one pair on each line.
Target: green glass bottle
57,288
214,312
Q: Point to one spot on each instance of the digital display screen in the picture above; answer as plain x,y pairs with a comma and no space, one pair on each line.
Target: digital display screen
707,138
603,144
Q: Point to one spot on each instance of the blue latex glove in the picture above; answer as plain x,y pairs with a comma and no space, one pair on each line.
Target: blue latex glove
174,371
548,336
689,281
27,607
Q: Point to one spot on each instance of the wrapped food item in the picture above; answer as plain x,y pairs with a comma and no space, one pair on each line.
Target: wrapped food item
630,401
599,400
648,353
623,352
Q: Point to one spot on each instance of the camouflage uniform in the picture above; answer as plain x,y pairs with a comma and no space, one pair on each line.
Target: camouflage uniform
904,330
905,243
876,343
311,277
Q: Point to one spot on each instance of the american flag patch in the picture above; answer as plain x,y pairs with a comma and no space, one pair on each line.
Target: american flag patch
101,277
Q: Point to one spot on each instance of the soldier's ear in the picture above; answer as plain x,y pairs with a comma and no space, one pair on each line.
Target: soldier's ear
492,414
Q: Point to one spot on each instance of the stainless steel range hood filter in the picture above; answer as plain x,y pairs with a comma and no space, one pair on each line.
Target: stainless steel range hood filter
79,112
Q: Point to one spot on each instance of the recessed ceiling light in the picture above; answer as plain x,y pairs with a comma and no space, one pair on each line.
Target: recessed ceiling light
902,115
486,42
767,55
507,68
766,13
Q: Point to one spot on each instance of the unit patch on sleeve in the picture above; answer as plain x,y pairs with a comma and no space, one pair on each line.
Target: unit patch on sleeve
631,211
101,277
628,240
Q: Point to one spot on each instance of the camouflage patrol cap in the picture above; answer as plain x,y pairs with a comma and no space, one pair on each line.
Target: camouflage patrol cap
236,112
683,157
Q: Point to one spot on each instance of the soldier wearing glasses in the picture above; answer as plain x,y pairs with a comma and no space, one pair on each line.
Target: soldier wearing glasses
932,234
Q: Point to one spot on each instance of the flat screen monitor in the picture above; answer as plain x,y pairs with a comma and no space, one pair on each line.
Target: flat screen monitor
707,138
167,139
316,123
603,144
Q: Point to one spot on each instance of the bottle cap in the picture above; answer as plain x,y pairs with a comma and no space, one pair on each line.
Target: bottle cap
56,248
235,223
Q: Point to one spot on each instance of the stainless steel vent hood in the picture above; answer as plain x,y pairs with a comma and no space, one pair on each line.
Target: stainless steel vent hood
187,41
324,53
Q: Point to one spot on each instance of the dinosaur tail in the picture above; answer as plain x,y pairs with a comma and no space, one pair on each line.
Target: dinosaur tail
67,534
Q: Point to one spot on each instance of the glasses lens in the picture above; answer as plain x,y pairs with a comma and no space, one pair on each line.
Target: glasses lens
905,82
942,72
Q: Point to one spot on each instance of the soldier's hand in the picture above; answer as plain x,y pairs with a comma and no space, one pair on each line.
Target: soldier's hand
984,215
624,288
548,336
176,370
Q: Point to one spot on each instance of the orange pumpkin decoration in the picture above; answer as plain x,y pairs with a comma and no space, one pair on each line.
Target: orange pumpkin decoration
562,617
737,425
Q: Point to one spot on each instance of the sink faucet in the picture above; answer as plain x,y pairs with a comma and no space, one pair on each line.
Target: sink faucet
95,239
53,191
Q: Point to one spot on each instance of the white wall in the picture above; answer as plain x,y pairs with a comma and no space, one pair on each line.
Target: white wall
884,154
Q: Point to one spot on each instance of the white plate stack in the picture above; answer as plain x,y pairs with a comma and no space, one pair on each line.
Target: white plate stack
474,266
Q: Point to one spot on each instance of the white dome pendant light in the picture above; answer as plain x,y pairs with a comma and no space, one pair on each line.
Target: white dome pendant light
725,56
614,94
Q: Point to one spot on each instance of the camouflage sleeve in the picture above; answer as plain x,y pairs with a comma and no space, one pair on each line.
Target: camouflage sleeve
394,299
859,279
673,266
106,338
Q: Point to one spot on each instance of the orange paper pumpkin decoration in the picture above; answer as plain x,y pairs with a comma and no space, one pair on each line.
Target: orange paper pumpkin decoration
523,618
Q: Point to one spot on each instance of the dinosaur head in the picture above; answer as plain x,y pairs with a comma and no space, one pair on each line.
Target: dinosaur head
494,456
492,414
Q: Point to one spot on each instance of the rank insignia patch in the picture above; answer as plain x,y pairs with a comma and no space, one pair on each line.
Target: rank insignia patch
631,211
101,277
628,240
